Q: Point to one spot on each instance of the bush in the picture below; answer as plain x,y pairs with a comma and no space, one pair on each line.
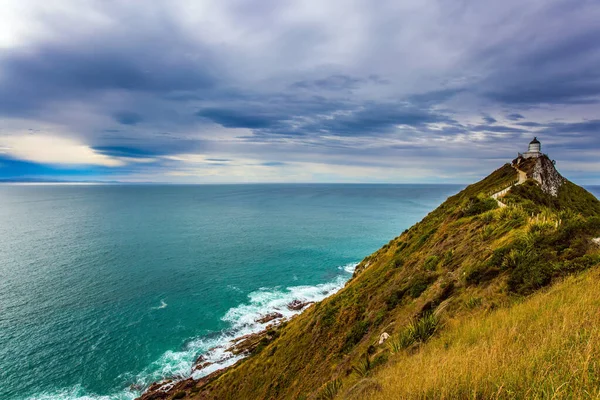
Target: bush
476,206
431,263
401,247
395,299
424,328
448,258
480,273
403,340
379,359
488,218
363,367
328,316
179,395
330,390
355,335
418,285
425,237
417,331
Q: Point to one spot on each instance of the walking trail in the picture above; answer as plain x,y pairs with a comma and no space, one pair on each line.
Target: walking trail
522,178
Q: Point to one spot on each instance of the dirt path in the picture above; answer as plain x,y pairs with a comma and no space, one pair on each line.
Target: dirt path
522,178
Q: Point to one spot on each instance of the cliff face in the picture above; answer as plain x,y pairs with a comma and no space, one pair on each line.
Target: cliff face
467,256
543,171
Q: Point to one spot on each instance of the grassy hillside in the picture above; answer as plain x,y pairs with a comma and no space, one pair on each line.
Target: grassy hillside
546,347
467,257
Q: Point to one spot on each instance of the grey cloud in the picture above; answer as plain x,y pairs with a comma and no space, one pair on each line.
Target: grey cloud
515,116
318,84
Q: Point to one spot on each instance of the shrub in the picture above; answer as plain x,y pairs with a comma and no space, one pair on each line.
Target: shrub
480,273
395,299
179,395
416,331
379,318
488,217
431,263
476,206
424,328
355,335
448,257
425,237
363,367
401,247
328,316
379,359
401,341
330,390
418,285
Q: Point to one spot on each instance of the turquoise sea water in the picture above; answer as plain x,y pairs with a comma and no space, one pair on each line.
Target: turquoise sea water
105,289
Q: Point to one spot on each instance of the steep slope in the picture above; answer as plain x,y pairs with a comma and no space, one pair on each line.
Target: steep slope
466,254
546,347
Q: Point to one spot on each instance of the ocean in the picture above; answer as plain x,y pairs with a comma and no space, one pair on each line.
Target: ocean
105,289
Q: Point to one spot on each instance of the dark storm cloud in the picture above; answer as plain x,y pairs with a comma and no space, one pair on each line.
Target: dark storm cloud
558,69
369,119
555,90
50,72
584,127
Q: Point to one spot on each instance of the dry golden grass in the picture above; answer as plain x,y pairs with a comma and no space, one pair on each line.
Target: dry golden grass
547,347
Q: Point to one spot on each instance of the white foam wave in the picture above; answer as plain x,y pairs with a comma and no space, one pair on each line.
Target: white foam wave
177,365
162,305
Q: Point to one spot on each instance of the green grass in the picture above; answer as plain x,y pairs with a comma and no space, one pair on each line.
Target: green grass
547,347
464,259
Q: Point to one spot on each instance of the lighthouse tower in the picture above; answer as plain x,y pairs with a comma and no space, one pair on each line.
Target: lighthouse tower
535,149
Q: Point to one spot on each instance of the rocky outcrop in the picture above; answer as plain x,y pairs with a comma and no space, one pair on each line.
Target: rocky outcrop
547,176
180,389
248,343
543,171
298,305
269,317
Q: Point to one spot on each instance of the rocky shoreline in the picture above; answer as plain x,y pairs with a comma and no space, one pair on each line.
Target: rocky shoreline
238,349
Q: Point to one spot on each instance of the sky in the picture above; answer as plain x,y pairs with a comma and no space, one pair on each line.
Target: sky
232,91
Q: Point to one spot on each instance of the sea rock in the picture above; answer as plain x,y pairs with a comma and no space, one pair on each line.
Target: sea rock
201,366
269,317
200,359
247,343
383,337
158,391
298,305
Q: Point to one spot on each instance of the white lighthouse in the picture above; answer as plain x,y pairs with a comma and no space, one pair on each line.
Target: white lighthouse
535,149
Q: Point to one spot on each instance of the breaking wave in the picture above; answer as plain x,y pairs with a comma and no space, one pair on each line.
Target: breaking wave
243,320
